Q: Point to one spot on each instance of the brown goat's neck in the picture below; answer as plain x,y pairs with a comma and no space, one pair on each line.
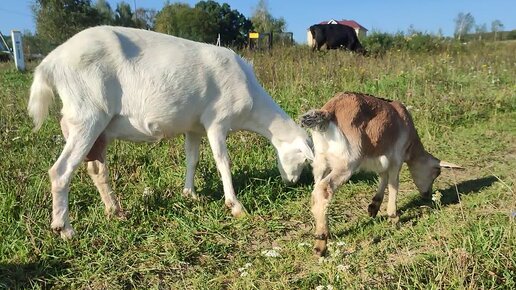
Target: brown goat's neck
416,150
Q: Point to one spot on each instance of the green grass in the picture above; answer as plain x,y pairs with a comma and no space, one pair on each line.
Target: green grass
463,105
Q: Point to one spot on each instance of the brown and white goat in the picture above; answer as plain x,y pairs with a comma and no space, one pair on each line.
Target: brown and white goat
354,131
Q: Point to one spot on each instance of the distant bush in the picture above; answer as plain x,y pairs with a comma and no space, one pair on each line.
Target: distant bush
381,42
511,35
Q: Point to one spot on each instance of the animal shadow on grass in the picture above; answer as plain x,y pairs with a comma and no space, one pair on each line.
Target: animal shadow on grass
34,274
244,178
248,176
449,196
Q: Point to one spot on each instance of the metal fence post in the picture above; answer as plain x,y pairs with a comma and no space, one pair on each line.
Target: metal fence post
19,60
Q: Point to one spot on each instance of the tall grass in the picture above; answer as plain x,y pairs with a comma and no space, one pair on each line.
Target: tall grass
463,103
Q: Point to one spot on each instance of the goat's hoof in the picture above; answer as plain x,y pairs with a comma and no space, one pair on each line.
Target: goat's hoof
394,219
190,193
65,231
118,214
320,248
236,209
115,212
372,209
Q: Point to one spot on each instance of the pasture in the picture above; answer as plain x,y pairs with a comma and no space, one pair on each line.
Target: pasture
464,106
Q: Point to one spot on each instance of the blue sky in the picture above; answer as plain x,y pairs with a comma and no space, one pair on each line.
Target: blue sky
383,15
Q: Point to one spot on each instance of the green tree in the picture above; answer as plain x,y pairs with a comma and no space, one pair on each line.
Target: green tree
496,26
124,15
511,35
464,23
264,22
34,45
145,18
106,13
181,20
480,30
58,20
232,25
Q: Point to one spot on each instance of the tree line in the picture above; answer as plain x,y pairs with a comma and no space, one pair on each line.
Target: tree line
58,20
466,28
206,21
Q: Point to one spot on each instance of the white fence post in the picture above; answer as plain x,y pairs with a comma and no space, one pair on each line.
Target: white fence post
19,61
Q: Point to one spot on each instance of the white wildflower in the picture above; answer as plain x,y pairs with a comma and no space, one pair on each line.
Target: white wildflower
343,268
322,287
58,138
244,273
436,197
147,191
303,244
271,253
245,267
340,244
321,260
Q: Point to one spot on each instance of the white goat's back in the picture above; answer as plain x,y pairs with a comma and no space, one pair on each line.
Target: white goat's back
147,78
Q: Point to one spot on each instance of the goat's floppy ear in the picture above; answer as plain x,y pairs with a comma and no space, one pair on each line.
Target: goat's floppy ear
445,164
305,148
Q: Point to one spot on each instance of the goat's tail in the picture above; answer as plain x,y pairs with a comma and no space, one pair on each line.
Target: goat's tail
41,96
317,120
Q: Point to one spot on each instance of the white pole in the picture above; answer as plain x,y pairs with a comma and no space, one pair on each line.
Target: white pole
19,61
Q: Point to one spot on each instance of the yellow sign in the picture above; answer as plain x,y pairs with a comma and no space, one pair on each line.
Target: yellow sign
254,35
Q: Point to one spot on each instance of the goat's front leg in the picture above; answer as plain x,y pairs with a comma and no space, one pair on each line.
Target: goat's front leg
321,197
192,144
394,181
375,204
217,139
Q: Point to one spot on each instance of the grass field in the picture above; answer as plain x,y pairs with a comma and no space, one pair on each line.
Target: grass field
464,106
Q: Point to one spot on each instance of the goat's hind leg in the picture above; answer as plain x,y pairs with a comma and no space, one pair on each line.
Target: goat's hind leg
192,143
375,204
79,140
98,171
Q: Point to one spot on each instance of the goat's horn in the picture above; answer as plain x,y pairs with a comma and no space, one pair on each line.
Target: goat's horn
449,165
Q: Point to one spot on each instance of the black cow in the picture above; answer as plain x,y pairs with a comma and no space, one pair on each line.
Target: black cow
335,36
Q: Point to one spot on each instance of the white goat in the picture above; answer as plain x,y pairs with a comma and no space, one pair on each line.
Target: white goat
356,131
137,85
